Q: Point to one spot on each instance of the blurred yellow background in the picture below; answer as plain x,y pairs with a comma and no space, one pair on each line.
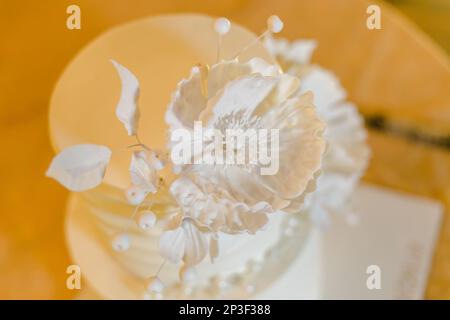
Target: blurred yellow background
35,47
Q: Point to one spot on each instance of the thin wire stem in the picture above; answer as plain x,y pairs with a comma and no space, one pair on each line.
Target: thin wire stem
139,143
219,46
262,35
160,267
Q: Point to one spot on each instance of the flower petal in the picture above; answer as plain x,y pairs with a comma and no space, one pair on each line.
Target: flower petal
142,174
187,102
186,192
227,71
172,245
127,110
299,51
326,88
261,66
196,245
300,147
253,221
347,154
80,167
241,95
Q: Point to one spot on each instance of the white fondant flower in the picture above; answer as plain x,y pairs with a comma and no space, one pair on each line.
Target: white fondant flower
80,167
347,154
212,207
127,109
252,95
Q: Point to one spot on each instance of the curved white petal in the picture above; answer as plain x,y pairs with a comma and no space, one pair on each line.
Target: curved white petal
326,88
347,154
185,191
172,245
196,245
242,95
127,110
261,66
301,146
188,102
80,167
253,221
299,51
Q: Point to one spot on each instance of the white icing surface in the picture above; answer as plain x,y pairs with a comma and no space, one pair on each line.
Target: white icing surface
113,280
143,257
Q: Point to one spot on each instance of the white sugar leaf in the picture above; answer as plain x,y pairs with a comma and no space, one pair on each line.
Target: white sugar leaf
143,175
127,110
80,167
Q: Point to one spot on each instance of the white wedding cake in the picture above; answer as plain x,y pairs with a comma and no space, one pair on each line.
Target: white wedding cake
194,213
246,267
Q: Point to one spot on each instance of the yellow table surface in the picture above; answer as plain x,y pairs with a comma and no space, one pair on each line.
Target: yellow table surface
35,46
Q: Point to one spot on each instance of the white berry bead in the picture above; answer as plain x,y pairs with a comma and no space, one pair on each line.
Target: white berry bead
121,242
274,24
135,195
154,285
146,219
222,26
187,274
177,169
156,160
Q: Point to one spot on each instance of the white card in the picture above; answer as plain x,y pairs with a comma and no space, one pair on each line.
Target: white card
396,232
